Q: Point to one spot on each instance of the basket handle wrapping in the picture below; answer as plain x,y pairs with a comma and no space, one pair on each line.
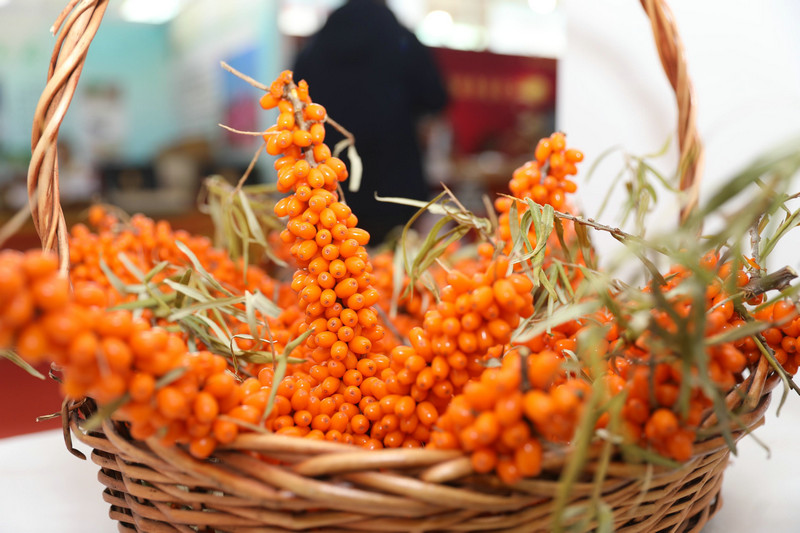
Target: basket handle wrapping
79,23
673,60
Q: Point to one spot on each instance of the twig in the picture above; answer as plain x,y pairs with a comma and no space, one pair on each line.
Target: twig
248,170
614,232
777,280
290,92
14,224
251,133
245,77
66,409
388,323
453,197
755,247
349,136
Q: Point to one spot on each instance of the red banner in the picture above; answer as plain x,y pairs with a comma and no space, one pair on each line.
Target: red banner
492,95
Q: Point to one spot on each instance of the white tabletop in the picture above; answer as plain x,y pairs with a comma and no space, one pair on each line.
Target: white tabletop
45,489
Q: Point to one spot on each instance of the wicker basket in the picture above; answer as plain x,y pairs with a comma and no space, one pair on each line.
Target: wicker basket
276,483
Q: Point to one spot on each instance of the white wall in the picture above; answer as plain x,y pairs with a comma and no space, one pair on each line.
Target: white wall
744,60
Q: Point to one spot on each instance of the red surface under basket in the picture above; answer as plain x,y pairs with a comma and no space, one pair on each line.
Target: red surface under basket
23,398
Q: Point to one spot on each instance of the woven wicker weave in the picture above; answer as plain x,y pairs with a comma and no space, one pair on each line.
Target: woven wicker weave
265,482
331,487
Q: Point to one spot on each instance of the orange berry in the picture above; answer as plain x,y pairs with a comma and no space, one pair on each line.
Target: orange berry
225,431
32,343
508,471
528,458
483,460
172,404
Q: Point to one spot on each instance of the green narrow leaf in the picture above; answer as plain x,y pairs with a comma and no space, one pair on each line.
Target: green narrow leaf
566,283
145,303
430,206
398,276
559,227
201,306
280,370
242,230
784,160
660,177
428,244
548,286
265,305
560,316
250,314
605,518
187,291
133,269
170,376
20,362
544,223
733,334
637,454
611,188
117,283
155,271
599,159
452,236
586,245
252,221
198,266
789,223
662,151
215,328
184,281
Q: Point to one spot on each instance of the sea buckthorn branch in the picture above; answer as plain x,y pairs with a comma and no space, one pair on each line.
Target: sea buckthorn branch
761,283
349,137
252,81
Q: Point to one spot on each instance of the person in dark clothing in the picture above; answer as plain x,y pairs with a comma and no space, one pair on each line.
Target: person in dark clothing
377,80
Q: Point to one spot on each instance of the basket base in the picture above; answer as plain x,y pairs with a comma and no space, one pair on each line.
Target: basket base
143,499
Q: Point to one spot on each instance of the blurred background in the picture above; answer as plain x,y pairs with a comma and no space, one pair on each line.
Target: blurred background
142,131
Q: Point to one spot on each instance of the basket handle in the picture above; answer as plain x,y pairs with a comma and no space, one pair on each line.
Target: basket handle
78,24
673,61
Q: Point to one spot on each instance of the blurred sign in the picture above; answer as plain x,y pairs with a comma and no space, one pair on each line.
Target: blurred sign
497,100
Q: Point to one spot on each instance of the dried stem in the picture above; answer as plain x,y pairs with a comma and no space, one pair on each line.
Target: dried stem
14,224
349,136
777,280
249,169
250,133
390,325
614,232
755,247
245,77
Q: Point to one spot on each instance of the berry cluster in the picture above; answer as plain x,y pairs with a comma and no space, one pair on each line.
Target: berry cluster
447,373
